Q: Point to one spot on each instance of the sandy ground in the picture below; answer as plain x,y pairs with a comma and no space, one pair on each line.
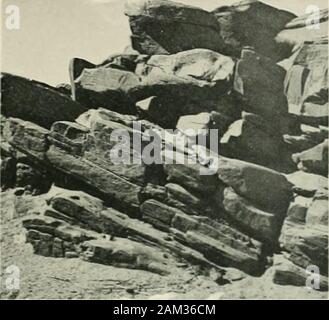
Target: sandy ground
57,278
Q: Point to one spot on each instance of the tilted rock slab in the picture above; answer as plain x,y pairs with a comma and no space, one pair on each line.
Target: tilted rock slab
36,102
186,210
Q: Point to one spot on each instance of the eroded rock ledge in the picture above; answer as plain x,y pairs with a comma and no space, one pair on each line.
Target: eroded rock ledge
265,205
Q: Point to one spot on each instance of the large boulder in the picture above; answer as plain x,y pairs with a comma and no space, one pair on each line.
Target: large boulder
260,82
285,273
36,102
264,186
253,23
106,87
258,223
184,83
164,27
257,140
201,73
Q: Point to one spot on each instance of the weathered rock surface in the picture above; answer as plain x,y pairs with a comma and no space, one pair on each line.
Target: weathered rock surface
285,273
124,253
36,102
260,82
26,136
314,160
257,222
256,140
306,83
91,192
164,27
73,217
8,172
195,79
266,187
305,28
305,236
307,183
253,23
79,151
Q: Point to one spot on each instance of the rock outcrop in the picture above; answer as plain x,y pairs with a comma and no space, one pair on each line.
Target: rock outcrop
306,82
36,102
164,27
111,184
256,24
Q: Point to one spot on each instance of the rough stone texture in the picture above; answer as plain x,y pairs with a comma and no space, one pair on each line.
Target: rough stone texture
164,27
36,102
318,210
285,273
306,83
26,136
253,23
305,29
266,187
305,236
231,246
124,253
307,183
106,182
32,179
189,176
258,222
260,82
75,217
255,139
190,78
106,87
208,216
8,172
314,160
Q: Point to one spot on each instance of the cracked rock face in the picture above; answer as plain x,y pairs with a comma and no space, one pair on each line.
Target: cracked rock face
264,207
164,27
256,24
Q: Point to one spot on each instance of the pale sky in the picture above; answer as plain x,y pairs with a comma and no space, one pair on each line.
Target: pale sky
54,31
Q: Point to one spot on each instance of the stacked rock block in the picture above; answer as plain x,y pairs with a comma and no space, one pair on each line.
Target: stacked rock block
189,69
225,216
